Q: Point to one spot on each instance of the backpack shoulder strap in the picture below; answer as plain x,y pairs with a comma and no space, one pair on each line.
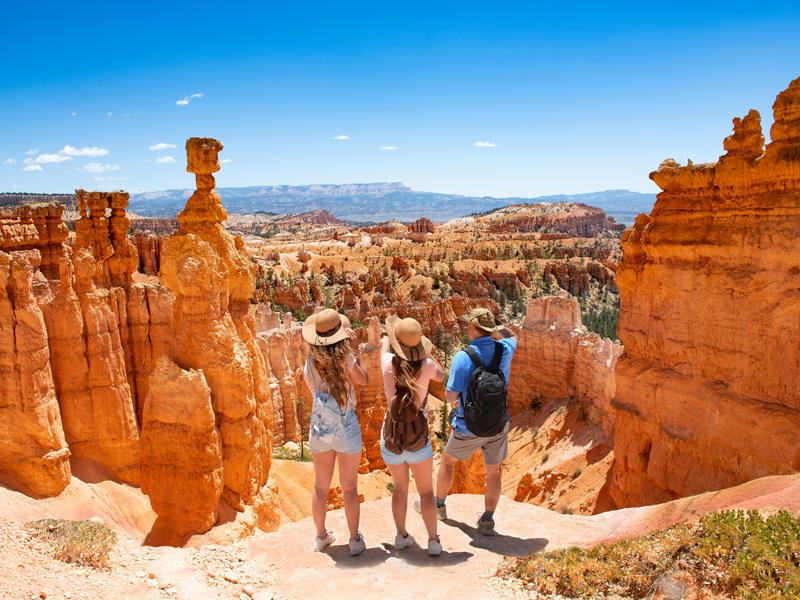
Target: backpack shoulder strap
494,367
476,360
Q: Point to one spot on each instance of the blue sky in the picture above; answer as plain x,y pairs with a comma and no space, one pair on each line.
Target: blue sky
568,97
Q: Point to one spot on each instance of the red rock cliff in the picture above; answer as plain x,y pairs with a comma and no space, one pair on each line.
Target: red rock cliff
708,393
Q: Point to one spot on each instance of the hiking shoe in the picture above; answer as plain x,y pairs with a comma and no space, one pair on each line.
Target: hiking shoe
401,542
434,547
357,546
321,543
486,527
441,511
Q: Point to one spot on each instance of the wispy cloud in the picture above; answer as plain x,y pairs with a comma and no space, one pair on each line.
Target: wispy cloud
388,148
485,144
94,167
73,114
165,160
33,168
186,100
225,161
31,152
92,151
47,159
10,161
109,114
341,137
107,179
161,146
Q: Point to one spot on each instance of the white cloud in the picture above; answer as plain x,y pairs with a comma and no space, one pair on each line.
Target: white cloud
92,151
225,161
341,138
161,146
94,167
485,144
388,148
31,152
73,114
33,168
185,101
46,159
102,179
9,161
109,114
165,160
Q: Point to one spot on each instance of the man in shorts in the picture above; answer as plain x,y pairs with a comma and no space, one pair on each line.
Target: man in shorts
481,326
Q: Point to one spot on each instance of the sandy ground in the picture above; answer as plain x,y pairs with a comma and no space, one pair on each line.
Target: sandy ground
281,565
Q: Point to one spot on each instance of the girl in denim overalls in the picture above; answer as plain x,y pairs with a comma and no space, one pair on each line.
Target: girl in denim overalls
334,432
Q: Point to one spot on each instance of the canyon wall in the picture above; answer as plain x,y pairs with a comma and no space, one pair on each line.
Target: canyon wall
708,393
557,358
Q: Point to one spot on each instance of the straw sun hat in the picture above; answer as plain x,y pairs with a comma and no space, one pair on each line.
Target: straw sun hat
325,328
406,339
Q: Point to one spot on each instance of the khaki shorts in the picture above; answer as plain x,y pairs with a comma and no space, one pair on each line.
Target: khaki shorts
495,448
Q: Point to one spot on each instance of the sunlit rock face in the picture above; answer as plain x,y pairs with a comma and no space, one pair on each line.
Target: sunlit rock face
708,393
34,456
212,280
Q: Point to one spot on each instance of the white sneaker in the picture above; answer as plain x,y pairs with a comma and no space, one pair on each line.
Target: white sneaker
401,542
321,543
357,546
434,547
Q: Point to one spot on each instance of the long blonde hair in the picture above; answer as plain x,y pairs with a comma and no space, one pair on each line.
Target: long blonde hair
406,374
330,362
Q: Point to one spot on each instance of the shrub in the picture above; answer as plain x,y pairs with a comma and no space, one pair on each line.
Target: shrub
85,543
733,553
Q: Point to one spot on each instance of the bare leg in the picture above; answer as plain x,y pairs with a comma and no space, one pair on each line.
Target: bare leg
423,476
323,473
399,496
493,482
348,479
444,479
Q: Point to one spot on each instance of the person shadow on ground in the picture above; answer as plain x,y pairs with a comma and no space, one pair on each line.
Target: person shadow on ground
499,543
413,555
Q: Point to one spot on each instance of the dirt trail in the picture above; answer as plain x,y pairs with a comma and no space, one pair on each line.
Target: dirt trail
280,564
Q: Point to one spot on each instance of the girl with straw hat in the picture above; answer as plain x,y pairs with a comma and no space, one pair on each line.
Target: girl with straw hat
408,367
334,434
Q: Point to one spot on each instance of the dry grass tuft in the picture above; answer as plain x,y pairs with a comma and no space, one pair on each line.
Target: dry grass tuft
84,543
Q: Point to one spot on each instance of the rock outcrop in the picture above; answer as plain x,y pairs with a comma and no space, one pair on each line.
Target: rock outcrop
212,280
557,358
89,368
34,456
181,450
708,393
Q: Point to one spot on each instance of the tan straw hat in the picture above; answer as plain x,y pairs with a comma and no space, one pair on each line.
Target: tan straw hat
325,328
405,336
483,319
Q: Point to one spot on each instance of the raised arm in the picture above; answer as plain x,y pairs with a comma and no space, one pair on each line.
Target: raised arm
358,375
506,333
439,373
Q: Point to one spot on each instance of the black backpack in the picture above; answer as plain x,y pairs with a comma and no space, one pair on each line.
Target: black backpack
487,396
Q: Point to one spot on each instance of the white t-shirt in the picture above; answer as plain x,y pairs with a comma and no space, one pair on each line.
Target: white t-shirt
316,384
426,373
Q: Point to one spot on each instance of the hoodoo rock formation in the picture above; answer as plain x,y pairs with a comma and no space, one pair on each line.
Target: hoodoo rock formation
213,280
708,393
33,452
558,358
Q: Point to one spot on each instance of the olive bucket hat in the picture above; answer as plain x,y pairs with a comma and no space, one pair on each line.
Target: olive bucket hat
483,319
